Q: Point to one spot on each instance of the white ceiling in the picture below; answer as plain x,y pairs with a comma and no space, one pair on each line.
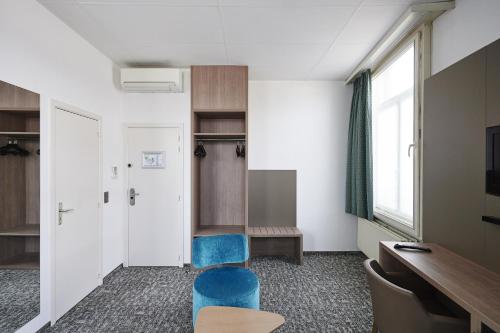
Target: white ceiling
277,39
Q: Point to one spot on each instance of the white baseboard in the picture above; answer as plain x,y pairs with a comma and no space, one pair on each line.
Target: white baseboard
370,234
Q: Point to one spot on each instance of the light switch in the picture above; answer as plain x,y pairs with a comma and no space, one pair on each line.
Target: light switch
114,172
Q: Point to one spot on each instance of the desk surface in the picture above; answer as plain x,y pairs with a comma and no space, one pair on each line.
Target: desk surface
221,319
470,285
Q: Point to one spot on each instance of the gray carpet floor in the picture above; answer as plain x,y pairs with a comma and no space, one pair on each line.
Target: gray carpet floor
329,293
19,298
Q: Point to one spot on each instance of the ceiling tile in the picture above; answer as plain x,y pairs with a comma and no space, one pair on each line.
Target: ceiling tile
278,39
149,2
339,62
158,23
394,2
278,72
289,3
173,55
284,25
275,55
369,24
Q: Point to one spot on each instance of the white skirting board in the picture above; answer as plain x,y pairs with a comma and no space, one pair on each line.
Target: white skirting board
370,234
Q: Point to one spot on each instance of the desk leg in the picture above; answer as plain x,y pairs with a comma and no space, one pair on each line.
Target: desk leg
475,324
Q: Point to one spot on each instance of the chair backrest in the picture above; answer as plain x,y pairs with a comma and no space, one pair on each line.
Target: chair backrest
394,309
220,249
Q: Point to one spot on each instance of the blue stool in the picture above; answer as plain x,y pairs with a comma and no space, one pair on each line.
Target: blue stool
224,286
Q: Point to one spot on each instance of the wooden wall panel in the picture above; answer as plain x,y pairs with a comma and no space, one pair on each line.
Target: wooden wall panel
214,125
15,97
13,190
32,176
11,122
222,185
219,88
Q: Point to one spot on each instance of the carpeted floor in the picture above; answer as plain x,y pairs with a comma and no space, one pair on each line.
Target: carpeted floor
19,298
329,293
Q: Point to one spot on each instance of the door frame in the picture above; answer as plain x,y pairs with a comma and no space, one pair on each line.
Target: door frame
126,128
55,105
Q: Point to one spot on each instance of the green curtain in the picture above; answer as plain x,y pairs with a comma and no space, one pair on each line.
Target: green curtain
359,184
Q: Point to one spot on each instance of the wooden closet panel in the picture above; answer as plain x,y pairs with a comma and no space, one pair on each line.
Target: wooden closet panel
202,78
11,247
222,126
234,88
219,88
11,122
32,124
12,97
12,200
32,176
222,185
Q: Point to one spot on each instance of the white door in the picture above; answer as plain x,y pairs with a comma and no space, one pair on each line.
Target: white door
77,232
154,201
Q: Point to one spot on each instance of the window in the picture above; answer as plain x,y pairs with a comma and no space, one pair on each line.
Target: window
395,96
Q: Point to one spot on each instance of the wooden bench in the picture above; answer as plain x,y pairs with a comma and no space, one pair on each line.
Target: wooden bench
274,241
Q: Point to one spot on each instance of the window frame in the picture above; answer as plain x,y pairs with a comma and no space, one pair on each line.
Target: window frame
420,38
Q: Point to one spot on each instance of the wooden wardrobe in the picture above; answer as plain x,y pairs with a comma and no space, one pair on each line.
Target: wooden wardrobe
219,102
19,178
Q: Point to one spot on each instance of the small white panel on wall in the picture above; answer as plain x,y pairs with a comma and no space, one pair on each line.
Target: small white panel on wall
153,160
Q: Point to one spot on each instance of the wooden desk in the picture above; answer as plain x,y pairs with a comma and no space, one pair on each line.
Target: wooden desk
468,284
222,319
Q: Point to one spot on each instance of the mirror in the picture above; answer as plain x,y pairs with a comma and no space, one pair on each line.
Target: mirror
19,206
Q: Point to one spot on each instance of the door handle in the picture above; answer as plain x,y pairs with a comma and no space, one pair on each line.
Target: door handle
133,194
410,147
61,211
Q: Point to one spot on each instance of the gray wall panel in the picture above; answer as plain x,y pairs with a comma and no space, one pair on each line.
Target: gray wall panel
455,119
272,198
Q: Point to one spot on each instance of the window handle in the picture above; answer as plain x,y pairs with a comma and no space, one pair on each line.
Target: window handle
410,147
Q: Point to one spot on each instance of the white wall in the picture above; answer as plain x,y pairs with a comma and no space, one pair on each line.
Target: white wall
167,109
303,126
40,53
472,25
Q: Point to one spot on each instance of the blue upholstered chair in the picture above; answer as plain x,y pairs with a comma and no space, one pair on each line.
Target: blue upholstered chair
223,286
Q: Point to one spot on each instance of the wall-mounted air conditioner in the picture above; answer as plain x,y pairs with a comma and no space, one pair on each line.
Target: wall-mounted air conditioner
152,80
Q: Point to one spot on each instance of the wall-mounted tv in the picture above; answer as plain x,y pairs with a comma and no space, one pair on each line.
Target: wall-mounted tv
493,160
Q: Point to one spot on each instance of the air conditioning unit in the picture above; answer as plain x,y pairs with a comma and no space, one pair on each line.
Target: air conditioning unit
152,80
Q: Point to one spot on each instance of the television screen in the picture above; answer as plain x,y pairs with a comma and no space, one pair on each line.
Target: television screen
493,160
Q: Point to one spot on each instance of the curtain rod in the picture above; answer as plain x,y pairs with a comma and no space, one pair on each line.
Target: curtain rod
411,18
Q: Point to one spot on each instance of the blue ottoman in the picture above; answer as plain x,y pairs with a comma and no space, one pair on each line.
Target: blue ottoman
226,286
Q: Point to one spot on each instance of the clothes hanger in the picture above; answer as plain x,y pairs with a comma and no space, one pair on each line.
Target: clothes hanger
12,148
200,150
243,150
238,151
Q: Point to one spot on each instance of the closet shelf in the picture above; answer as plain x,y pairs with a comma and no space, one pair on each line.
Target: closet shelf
19,109
219,230
20,134
27,230
220,135
30,260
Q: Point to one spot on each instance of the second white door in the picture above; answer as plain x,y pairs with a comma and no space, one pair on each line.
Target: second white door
77,227
154,196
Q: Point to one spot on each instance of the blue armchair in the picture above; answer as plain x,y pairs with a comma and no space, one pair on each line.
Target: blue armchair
223,286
